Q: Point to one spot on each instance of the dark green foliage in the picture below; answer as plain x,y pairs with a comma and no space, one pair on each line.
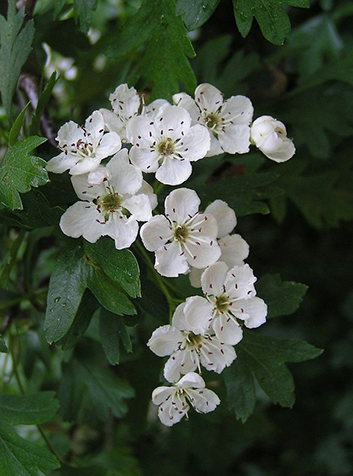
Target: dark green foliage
196,12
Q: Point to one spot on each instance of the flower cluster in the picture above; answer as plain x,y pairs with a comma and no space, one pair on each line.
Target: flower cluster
107,158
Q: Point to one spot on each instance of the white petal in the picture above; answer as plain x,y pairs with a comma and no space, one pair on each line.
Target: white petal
256,311
61,163
201,247
236,139
195,277
125,101
123,231
178,319
145,159
198,314
191,380
169,414
225,216
181,362
85,190
185,101
146,189
81,220
170,262
238,109
164,340
153,108
227,330
109,145
215,147
85,165
155,233
240,282
279,150
195,144
213,279
161,394
174,171
234,250
112,122
172,121
69,133
94,126
208,97
97,176
204,401
139,206
125,178
216,355
182,204
139,130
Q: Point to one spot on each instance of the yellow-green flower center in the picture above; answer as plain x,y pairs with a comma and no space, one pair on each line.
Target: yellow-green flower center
222,303
166,147
110,203
212,121
181,233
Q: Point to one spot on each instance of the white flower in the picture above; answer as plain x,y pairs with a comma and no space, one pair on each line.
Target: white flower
183,237
228,121
189,350
174,401
166,143
125,105
83,148
233,247
270,136
111,207
229,303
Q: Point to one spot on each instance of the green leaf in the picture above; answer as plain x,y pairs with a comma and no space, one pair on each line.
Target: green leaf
20,171
82,471
119,265
282,297
245,193
112,331
196,12
36,212
264,357
3,346
43,100
109,294
83,11
67,285
164,61
16,127
87,308
28,409
19,457
270,15
15,49
85,381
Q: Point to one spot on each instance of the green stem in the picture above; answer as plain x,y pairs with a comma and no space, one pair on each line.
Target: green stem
18,379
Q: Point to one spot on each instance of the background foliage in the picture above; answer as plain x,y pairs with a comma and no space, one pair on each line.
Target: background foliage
83,403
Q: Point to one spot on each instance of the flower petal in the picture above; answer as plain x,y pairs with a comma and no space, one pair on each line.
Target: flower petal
164,340
139,206
198,314
213,279
170,414
61,163
172,121
85,165
204,401
191,380
170,261
217,355
173,171
235,139
238,109
155,233
82,219
195,144
181,205
181,362
123,231
225,216
178,319
112,122
125,178
195,277
109,145
227,330
240,282
161,394
145,159
255,310
234,250
84,190
215,146
186,102
208,98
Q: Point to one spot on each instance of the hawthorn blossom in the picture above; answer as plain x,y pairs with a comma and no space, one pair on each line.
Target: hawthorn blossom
125,104
228,121
270,136
189,350
234,248
229,303
166,143
182,238
174,401
112,207
83,147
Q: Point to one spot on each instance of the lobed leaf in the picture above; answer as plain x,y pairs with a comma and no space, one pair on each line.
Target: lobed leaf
196,12
112,331
28,409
